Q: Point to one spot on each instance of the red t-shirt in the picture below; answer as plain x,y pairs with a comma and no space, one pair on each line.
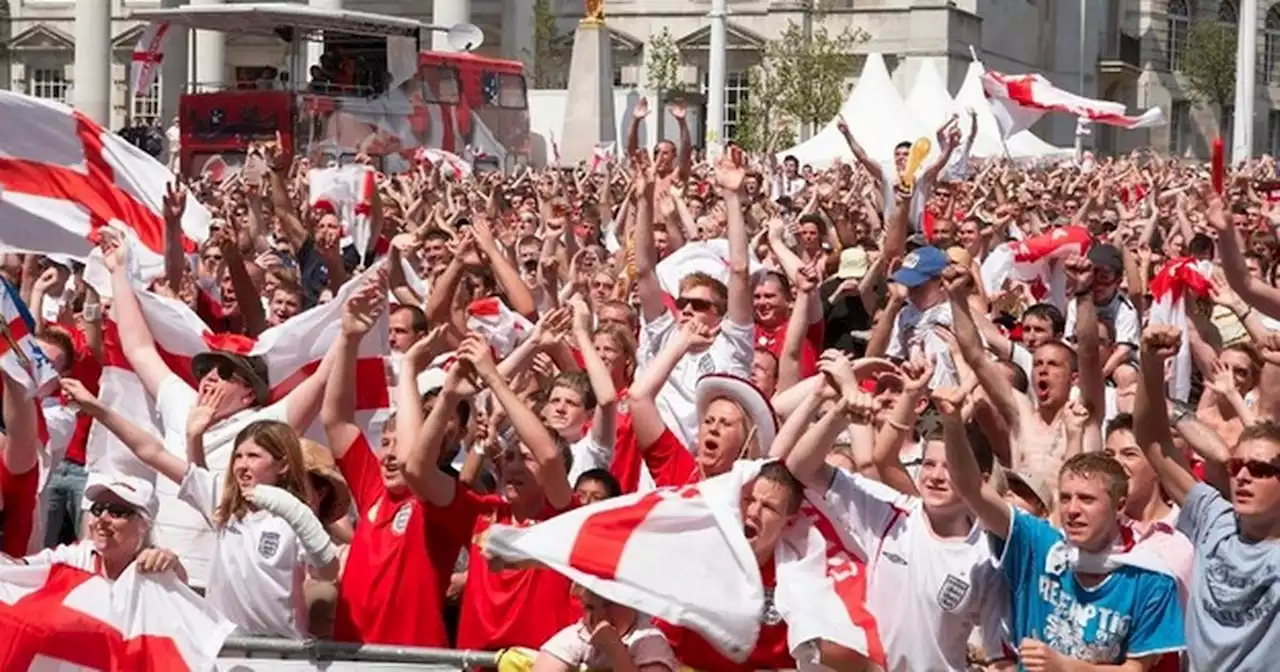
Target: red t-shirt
88,370
514,607
770,652
772,341
399,563
19,515
670,463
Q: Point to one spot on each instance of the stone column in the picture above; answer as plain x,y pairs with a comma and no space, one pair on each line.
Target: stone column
92,71
445,13
518,33
1246,77
175,70
210,55
588,115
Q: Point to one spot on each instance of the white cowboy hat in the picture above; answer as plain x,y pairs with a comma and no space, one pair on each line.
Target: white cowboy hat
723,386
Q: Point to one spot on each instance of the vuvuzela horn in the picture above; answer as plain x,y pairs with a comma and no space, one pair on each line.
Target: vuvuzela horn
919,150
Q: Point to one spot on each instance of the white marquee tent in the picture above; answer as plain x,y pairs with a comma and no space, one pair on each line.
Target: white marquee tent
928,99
1022,145
877,116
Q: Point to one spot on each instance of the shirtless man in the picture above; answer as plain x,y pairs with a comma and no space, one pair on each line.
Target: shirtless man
1039,444
669,168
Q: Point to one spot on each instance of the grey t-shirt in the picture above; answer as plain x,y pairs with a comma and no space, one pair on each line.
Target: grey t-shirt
1235,590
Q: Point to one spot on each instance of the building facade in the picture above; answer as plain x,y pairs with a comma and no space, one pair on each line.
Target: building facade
1124,50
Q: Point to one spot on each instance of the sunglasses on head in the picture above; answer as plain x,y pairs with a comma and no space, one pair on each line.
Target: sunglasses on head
117,511
1257,468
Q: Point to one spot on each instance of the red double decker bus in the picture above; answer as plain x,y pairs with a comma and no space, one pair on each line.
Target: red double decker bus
362,94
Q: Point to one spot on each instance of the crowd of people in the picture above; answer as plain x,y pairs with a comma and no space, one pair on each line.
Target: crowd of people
1033,486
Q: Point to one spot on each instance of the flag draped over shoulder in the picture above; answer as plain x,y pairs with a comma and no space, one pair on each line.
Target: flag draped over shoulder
20,356
621,549
1170,288
58,617
63,178
1018,101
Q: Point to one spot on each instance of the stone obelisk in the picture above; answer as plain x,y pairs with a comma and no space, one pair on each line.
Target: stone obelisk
588,110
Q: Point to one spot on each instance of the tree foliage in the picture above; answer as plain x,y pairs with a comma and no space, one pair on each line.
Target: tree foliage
1209,62
663,62
550,59
801,79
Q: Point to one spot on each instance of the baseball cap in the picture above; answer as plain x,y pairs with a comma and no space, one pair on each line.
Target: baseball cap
854,264
1108,257
138,493
920,266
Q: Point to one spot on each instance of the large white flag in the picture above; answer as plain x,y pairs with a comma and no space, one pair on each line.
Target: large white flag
63,178
621,549
348,192
1018,101
56,618
148,54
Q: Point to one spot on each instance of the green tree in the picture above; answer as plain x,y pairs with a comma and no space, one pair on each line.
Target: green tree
811,68
760,113
549,56
662,64
1209,63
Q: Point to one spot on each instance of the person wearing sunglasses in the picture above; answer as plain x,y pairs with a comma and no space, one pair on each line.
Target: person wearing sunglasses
122,510
1231,614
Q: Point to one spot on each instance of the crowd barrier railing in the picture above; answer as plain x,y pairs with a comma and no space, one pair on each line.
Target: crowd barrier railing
251,654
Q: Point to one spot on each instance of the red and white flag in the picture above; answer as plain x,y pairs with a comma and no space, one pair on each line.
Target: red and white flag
148,54
621,548
502,327
348,193
1032,261
1018,101
292,351
58,617
602,155
1176,280
63,178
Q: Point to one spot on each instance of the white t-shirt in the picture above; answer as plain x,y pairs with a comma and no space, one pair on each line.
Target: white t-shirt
645,643
258,568
1120,313
79,555
588,455
731,353
915,330
928,594
180,528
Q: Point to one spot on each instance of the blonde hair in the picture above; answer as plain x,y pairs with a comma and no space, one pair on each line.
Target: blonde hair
281,443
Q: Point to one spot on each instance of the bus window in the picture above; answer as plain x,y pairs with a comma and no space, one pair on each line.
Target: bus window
440,84
504,90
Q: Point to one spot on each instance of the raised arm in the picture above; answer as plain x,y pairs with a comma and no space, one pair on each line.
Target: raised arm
1254,291
135,336
604,428
147,447
988,372
729,177
418,444
338,407
1151,426
647,288
644,391
1088,348
871,166
22,452
966,477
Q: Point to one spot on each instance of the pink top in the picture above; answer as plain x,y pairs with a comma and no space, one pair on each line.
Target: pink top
1162,538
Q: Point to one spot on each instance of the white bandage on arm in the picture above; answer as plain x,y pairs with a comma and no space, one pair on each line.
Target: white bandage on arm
311,534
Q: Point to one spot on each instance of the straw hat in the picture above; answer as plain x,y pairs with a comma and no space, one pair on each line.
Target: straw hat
318,462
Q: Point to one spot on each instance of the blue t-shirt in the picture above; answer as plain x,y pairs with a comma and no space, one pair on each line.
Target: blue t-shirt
1133,613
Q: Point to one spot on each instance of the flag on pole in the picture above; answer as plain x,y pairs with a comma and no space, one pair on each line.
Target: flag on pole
616,549
20,356
148,54
1018,101
63,178
60,617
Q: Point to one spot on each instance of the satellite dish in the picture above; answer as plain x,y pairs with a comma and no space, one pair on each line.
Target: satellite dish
466,37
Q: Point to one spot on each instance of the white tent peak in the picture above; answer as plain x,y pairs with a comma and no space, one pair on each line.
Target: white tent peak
928,98
877,116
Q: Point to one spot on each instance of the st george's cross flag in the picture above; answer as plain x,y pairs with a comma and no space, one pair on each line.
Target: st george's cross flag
1176,282
292,351
63,178
1018,101
59,618
347,192
148,55
621,548
1032,261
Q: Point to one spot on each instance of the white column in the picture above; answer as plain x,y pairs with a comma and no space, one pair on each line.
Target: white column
1246,60
92,70
446,13
175,70
210,54
517,32
316,49
715,81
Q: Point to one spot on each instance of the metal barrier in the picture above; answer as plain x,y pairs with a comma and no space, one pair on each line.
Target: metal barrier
253,654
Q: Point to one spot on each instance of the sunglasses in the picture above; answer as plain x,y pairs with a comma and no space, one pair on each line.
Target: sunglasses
698,305
117,511
1257,468
228,373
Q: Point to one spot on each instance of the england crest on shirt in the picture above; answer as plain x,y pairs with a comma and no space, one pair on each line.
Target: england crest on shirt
401,522
268,544
951,594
